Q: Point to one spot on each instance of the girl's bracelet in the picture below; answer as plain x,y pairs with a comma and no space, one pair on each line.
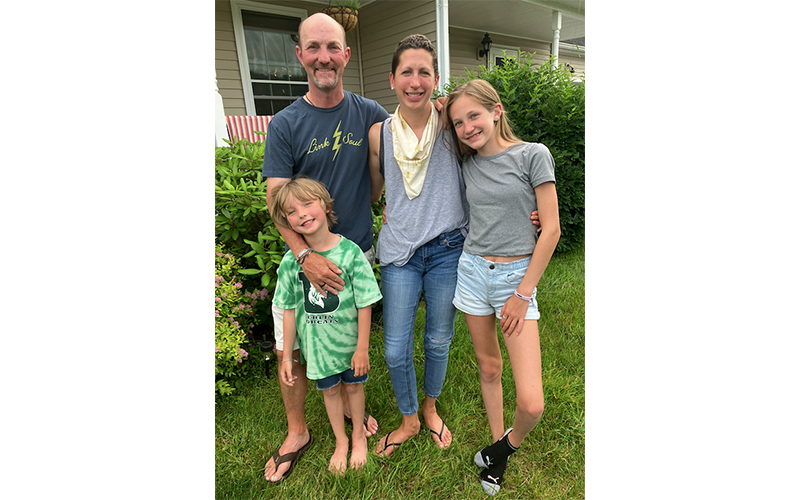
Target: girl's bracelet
527,299
288,361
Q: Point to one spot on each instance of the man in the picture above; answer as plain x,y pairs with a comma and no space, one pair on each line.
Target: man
324,136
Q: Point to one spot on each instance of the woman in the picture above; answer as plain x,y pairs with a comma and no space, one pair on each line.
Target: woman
421,241
503,262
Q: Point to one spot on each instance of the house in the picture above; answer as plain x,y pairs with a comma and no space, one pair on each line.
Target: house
257,72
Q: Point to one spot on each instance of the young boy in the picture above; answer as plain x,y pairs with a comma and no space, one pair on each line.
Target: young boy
334,330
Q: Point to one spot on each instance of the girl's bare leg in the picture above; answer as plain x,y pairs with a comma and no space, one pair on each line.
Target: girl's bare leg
524,353
483,332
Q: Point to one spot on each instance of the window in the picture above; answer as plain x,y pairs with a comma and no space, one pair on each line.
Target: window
272,77
496,54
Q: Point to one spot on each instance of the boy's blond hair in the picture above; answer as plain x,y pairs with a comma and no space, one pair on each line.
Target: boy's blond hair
300,188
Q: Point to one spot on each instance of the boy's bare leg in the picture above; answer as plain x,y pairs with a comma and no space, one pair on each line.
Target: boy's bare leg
372,425
335,409
294,399
358,457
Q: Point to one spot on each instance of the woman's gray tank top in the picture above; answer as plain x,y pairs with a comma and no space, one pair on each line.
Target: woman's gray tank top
441,206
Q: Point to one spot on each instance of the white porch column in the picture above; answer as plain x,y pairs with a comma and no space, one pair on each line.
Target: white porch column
443,41
221,129
556,36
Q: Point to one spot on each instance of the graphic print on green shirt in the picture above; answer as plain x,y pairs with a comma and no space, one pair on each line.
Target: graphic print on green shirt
315,303
327,327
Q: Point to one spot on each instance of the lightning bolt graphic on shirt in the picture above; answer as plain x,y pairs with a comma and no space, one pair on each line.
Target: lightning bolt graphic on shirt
336,144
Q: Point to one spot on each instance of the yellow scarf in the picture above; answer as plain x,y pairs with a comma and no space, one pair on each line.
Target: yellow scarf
413,156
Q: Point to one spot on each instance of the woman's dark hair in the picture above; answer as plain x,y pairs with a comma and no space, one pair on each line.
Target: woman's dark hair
415,42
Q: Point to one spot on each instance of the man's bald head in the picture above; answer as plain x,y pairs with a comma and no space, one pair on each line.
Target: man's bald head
319,21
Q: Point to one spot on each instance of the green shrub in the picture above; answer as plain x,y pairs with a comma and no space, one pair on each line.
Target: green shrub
234,314
544,105
243,223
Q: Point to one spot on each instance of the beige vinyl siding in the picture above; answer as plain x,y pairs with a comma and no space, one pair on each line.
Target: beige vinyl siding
575,57
226,61
385,23
464,45
229,80
381,25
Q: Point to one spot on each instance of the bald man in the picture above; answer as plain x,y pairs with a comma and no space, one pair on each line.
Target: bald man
324,135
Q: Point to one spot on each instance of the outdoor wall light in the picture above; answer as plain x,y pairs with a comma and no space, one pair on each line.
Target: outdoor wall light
486,43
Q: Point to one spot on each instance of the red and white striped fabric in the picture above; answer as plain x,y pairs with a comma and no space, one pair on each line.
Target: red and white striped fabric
244,127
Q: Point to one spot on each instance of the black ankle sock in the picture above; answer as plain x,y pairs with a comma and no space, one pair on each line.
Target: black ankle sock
498,452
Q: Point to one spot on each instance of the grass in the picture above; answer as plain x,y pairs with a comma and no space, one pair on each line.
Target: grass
251,423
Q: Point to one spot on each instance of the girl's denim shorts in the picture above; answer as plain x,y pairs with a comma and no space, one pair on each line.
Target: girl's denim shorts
484,286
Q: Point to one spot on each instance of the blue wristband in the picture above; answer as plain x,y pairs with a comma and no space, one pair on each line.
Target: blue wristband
528,299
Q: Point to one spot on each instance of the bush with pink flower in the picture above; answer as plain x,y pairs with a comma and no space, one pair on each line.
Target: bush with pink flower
234,315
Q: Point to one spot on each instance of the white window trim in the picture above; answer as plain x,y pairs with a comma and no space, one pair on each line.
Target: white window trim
241,50
497,51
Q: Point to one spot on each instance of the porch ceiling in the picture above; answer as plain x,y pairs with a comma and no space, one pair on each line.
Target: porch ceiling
530,19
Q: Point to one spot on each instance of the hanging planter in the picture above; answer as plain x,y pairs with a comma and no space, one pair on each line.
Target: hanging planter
344,12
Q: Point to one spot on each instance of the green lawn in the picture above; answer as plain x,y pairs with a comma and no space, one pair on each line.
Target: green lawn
251,423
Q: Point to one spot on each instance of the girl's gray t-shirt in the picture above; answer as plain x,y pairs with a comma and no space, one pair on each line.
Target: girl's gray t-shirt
441,206
501,198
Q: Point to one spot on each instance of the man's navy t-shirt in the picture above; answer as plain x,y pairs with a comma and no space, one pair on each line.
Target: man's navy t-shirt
330,145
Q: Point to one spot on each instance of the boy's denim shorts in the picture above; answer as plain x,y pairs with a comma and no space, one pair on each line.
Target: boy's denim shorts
348,377
484,286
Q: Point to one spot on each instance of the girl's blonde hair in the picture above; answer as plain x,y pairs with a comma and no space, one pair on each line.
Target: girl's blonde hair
484,94
300,188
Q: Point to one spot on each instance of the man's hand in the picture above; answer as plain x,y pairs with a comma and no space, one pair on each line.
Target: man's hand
322,274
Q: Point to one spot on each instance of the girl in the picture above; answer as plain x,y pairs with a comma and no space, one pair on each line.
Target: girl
503,261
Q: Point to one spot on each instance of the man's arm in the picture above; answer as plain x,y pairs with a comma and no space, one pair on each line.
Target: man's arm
317,268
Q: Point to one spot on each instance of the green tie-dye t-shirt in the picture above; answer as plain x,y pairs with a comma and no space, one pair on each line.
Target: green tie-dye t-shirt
327,327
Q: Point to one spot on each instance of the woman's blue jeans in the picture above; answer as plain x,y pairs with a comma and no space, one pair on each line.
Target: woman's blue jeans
434,269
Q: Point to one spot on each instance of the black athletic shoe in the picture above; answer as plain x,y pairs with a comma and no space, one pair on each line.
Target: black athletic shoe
492,478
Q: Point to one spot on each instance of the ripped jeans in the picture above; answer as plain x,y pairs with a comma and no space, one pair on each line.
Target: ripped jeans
434,269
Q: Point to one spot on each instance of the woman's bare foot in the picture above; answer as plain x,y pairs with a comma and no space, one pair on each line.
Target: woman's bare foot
408,429
439,431
338,462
